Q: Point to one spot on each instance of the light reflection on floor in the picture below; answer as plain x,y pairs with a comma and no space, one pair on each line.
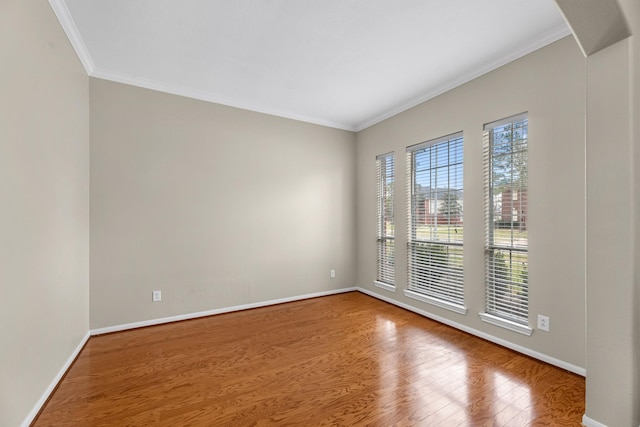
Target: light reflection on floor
443,389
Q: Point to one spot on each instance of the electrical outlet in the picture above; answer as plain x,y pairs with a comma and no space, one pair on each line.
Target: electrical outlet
156,296
332,273
543,322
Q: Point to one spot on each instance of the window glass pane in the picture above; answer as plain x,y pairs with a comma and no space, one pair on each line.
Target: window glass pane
385,178
506,166
435,173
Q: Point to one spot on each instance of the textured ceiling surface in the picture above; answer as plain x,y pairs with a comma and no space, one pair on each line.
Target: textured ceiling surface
342,63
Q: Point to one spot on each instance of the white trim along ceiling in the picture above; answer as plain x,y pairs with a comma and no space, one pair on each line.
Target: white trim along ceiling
346,64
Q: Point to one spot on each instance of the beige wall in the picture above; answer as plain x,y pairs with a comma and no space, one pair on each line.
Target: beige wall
213,205
613,260
44,220
632,10
610,268
549,84
220,207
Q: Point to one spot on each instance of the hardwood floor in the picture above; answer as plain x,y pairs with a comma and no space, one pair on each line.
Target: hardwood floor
343,360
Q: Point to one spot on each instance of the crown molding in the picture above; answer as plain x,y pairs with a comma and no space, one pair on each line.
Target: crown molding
212,97
545,39
69,26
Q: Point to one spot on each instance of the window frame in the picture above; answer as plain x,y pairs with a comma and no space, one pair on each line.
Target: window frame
507,299
385,240
435,266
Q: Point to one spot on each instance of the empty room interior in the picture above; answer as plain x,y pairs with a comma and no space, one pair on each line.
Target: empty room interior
167,164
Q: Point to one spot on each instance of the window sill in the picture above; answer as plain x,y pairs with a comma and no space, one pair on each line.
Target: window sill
386,286
460,309
507,324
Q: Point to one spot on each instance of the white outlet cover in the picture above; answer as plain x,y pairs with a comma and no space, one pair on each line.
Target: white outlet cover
543,323
156,296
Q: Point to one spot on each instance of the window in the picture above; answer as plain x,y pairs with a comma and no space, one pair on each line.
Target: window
384,197
435,252
506,241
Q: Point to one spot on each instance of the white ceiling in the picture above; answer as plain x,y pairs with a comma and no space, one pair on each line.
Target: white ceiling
342,63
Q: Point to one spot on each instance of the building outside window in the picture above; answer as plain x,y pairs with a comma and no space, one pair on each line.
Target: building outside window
506,240
436,222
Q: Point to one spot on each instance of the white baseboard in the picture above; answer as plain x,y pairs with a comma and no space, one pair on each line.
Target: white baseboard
588,422
223,310
52,386
520,349
38,406
540,356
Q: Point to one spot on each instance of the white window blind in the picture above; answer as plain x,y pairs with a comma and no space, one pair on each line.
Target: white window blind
506,211
385,207
436,199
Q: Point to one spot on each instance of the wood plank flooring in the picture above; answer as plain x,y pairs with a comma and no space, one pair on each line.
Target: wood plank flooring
342,360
